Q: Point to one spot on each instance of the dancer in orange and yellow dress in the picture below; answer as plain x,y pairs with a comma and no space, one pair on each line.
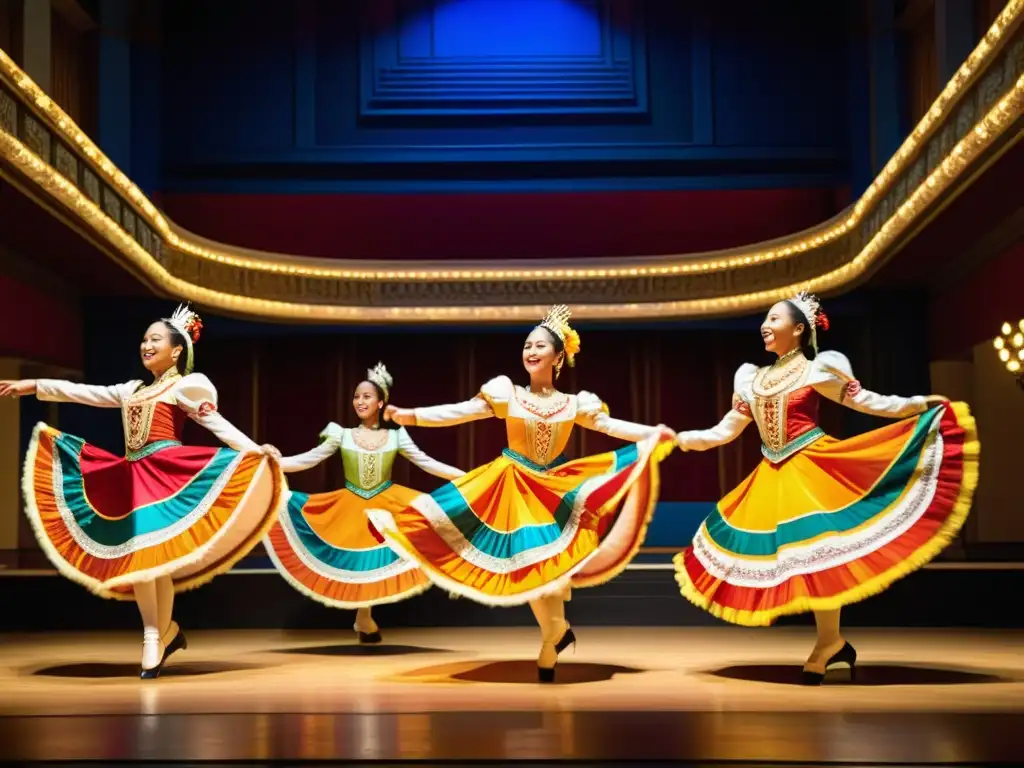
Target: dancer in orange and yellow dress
164,517
529,525
822,523
323,544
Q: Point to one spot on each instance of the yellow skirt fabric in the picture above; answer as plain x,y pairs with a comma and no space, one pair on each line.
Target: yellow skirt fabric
836,522
324,546
511,531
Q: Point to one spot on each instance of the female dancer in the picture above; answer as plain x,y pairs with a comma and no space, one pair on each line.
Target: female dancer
822,523
527,526
323,544
165,517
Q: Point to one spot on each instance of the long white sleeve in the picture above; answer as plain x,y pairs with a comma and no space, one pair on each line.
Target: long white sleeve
413,453
733,423
834,379
592,413
59,391
330,444
453,413
727,430
492,401
196,395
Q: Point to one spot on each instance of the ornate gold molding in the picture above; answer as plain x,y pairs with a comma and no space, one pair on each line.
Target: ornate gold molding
977,115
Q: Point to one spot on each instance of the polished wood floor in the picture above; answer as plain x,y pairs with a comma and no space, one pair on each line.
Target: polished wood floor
699,695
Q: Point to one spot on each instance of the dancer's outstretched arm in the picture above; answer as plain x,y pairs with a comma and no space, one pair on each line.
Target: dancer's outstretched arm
731,425
833,378
592,413
330,443
196,395
60,391
492,401
413,453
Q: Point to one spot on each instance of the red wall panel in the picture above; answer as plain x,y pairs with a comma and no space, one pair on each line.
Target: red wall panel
502,226
39,326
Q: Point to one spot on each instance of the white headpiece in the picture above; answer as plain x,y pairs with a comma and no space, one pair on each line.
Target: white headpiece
188,324
379,375
809,305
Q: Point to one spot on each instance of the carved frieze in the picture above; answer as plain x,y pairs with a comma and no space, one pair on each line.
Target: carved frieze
288,284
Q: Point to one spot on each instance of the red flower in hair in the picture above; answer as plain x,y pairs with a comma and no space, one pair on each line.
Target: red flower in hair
823,321
195,328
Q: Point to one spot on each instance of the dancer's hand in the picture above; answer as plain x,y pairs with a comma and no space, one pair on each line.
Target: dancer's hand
269,450
17,388
936,400
666,433
403,416
681,441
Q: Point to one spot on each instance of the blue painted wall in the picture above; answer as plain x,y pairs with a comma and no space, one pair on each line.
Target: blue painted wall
320,95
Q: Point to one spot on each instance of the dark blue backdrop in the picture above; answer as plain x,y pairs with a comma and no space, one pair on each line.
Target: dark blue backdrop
319,95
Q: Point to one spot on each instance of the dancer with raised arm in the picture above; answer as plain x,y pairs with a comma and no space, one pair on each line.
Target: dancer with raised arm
323,544
822,523
529,525
163,518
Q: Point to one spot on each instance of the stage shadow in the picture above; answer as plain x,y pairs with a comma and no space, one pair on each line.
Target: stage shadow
100,671
870,675
516,672
362,650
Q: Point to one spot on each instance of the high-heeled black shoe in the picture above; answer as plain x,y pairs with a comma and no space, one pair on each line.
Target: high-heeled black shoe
547,675
369,638
845,655
179,643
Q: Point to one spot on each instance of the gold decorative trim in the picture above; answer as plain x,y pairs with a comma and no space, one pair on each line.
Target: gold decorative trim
976,114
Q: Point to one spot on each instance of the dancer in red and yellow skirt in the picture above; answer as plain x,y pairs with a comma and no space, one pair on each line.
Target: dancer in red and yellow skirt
529,525
323,544
822,523
163,518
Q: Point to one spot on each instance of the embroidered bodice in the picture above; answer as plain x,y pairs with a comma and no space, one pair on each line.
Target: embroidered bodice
368,457
368,465
153,416
784,403
538,428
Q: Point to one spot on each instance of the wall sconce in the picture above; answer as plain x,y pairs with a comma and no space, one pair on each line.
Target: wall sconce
1010,348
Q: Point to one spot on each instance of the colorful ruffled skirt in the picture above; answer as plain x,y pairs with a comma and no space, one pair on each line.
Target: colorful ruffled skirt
512,531
108,522
836,522
324,546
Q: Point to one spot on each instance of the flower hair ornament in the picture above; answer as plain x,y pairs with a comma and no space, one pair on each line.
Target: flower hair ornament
190,325
557,321
379,375
809,305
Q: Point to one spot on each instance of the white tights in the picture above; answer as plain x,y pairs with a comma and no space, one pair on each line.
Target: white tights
156,605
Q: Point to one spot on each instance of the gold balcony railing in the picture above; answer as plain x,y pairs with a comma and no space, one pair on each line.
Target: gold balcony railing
974,120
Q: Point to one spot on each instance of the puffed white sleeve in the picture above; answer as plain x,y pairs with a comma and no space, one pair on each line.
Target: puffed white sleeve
491,401
592,413
413,453
59,391
833,378
196,395
330,443
732,424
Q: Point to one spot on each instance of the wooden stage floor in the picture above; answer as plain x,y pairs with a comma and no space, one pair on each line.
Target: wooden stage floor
698,695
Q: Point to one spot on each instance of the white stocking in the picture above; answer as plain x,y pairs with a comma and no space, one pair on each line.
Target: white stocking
152,647
165,606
